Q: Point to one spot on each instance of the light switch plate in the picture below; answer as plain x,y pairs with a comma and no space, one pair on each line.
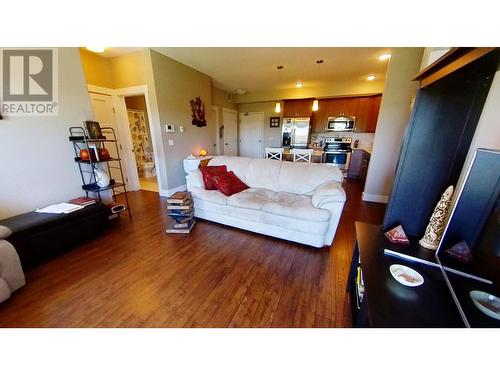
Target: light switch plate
169,128
181,129
170,142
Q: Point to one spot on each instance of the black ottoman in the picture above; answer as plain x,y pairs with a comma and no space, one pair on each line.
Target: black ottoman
37,236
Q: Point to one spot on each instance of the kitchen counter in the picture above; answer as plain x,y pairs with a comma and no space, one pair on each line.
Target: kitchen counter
317,156
364,148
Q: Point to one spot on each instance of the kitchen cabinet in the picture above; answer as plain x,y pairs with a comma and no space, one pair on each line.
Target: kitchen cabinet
358,167
297,108
365,109
367,114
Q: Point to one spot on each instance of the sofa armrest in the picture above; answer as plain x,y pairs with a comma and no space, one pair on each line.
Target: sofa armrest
194,179
4,232
328,192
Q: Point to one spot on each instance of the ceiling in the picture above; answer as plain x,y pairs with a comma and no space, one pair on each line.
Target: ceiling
110,52
254,68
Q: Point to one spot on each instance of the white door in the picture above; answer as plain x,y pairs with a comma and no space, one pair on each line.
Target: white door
230,122
104,114
218,140
251,134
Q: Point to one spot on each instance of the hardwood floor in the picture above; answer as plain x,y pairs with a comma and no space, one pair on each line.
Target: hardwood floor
138,276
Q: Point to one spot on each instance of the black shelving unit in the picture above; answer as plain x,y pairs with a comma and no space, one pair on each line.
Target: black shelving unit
81,141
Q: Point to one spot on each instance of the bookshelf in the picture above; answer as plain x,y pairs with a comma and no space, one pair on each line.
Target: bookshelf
78,136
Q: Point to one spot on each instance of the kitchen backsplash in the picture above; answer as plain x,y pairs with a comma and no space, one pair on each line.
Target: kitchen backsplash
365,139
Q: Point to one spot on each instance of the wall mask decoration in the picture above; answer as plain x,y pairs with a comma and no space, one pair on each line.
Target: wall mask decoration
198,112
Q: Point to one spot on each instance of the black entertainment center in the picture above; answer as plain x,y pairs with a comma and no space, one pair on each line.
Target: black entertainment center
438,137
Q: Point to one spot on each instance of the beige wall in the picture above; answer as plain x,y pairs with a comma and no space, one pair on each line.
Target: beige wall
97,69
358,87
37,159
393,118
175,85
272,136
487,134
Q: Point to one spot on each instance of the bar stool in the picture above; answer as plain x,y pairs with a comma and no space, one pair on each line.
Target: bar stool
302,155
275,153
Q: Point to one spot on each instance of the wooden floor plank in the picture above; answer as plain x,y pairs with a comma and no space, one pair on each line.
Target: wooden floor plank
136,275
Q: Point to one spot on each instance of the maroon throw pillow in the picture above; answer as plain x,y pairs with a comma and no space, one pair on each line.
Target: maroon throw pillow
209,172
228,184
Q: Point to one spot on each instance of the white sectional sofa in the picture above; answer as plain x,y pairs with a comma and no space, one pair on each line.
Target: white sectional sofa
299,202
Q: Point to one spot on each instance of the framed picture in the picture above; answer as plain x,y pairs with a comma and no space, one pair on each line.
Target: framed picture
274,122
94,130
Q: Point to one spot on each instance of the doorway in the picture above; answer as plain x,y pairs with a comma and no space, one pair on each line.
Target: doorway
251,133
230,131
142,145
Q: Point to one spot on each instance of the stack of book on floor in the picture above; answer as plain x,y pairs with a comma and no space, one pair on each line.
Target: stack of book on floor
181,211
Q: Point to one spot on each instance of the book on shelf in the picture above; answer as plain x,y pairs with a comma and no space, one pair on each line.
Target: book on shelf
82,201
184,206
173,229
179,197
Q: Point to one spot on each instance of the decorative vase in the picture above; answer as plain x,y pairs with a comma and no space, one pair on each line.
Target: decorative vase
435,228
101,177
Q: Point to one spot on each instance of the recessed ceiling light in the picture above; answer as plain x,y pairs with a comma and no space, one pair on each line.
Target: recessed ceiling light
319,61
299,84
96,49
385,56
371,77
241,91
279,67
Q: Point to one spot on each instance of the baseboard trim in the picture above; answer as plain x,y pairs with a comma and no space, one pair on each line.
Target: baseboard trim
169,192
375,198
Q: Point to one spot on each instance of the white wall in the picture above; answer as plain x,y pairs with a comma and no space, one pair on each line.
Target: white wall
394,114
487,134
37,166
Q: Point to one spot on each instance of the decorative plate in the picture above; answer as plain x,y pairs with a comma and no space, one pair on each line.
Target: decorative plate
487,303
406,275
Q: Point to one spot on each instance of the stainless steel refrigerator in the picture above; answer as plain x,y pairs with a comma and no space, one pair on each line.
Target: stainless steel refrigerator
295,132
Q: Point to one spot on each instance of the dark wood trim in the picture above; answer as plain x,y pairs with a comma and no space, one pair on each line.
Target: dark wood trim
453,60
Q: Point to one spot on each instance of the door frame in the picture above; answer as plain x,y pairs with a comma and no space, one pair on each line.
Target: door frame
118,96
262,129
234,112
217,122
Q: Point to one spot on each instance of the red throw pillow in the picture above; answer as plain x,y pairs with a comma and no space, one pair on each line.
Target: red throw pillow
209,172
228,184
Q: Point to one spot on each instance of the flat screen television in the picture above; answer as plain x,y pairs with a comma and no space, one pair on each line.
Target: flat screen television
469,252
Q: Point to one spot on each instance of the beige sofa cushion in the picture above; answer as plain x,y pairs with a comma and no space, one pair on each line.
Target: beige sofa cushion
239,165
295,206
264,174
252,198
213,196
4,232
304,178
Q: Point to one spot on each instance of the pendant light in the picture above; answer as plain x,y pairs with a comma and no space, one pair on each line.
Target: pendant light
277,108
315,105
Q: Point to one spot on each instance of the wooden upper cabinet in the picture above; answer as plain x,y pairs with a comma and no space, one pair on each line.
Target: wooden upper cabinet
374,111
365,109
367,114
297,108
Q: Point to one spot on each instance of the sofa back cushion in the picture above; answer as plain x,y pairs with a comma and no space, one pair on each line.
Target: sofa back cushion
264,174
297,178
237,164
304,178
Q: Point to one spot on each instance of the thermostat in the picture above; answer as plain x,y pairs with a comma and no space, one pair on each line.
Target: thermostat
170,128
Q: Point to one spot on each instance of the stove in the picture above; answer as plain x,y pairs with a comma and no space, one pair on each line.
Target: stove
338,152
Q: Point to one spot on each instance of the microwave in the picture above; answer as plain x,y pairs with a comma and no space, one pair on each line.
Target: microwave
340,124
